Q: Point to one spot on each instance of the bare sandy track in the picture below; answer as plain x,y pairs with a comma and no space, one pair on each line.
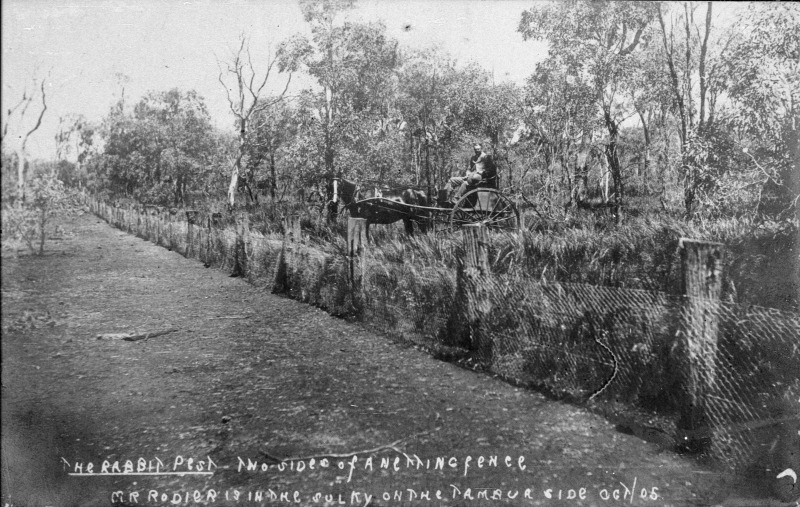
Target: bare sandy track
249,375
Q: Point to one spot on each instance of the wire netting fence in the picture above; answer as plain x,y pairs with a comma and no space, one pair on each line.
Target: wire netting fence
672,356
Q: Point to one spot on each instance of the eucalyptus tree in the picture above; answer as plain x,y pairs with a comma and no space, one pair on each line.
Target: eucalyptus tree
693,65
272,130
20,122
75,139
492,111
160,151
762,78
652,99
245,89
594,41
428,103
559,111
353,65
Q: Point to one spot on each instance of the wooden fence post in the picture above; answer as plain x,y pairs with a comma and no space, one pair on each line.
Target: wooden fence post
157,224
239,250
139,222
472,302
246,240
191,218
356,265
168,228
209,225
702,268
285,270
356,245
146,222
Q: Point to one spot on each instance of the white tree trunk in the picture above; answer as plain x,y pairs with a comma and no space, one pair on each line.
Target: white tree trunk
232,187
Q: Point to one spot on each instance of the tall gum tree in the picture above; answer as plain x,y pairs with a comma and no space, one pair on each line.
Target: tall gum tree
693,71
245,89
559,109
594,41
19,123
353,65
762,70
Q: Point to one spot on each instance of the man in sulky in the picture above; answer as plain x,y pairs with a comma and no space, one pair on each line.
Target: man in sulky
481,169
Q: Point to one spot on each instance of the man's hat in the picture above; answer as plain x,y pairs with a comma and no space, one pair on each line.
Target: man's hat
477,146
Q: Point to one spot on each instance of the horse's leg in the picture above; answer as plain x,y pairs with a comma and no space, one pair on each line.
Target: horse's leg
409,225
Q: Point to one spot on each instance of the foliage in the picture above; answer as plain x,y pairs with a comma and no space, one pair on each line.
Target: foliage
763,80
159,153
593,43
353,63
28,223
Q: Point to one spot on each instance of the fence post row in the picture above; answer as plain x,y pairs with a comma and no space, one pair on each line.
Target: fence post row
701,265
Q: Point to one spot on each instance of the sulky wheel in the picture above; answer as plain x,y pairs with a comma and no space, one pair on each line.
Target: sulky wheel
485,206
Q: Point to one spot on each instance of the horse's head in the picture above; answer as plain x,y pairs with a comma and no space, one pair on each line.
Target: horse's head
344,190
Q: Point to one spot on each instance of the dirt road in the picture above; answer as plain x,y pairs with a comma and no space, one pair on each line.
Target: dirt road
247,377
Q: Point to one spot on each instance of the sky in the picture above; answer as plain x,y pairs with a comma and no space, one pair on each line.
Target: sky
86,50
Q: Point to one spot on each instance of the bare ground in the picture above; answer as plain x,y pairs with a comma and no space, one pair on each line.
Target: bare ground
256,376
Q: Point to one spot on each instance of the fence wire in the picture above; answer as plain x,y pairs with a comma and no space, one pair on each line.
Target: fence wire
645,350
612,345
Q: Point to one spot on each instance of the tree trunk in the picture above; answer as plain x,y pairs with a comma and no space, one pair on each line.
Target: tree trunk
646,131
329,156
273,182
232,187
428,164
20,178
237,166
614,164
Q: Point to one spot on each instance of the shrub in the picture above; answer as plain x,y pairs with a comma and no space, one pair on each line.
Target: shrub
28,224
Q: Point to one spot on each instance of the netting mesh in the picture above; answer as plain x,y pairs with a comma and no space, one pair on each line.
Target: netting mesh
738,367
603,344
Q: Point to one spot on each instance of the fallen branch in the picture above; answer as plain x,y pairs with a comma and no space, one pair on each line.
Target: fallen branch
392,446
146,336
134,337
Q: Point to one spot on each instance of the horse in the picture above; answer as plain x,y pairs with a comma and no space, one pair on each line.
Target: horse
384,210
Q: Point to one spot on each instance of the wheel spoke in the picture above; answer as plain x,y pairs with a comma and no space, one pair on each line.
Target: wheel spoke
497,211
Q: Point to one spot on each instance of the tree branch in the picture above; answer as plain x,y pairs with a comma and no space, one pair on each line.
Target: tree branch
674,75
227,91
633,44
11,112
38,120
